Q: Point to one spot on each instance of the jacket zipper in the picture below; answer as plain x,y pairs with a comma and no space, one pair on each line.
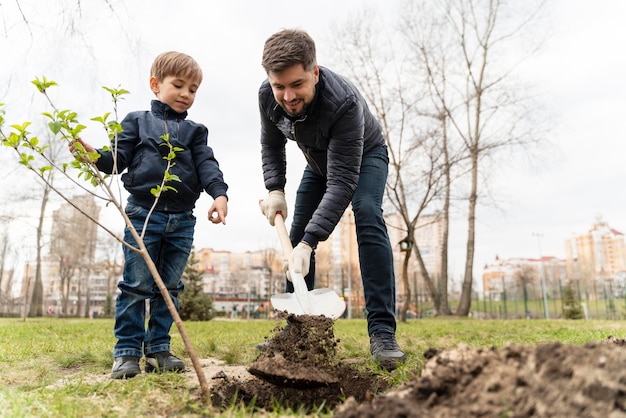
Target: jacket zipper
167,131
310,159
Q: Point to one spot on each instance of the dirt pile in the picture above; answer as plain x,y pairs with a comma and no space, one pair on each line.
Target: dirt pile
549,380
298,370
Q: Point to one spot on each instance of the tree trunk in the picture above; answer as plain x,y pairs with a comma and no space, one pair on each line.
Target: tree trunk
36,304
405,281
466,292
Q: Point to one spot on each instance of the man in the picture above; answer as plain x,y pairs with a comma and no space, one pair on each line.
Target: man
347,162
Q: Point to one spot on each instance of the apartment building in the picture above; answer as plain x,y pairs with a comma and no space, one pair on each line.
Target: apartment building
598,254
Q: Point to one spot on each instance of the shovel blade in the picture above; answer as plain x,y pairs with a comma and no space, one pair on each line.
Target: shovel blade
323,302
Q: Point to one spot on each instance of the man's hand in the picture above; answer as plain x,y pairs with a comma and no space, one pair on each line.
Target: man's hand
300,258
275,202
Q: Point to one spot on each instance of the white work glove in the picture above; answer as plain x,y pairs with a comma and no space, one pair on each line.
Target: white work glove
275,202
300,258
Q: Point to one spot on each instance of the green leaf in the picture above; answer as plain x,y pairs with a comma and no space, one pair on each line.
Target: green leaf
55,127
170,188
156,191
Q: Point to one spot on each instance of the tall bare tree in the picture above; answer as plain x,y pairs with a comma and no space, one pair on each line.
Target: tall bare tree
443,89
53,151
474,89
376,65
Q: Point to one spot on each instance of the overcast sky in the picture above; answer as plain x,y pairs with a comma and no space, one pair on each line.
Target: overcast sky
579,74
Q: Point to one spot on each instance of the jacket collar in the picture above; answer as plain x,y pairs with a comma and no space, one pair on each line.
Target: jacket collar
163,111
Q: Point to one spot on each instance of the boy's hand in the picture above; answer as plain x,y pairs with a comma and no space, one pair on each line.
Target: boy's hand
219,210
85,146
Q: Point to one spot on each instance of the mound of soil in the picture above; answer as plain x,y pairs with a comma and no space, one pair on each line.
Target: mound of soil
549,380
298,370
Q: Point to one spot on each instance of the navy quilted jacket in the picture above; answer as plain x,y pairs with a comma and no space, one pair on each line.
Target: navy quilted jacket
139,153
333,135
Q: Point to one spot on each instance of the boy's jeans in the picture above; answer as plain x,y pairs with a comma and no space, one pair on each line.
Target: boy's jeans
375,253
168,239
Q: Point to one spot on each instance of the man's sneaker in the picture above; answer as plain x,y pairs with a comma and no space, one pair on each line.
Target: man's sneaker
386,351
163,361
125,367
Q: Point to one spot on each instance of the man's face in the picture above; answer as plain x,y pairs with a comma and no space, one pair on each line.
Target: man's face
294,88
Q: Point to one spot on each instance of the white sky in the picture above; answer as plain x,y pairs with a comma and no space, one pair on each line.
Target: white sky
580,72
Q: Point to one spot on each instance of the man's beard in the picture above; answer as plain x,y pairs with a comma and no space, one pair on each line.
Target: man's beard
305,107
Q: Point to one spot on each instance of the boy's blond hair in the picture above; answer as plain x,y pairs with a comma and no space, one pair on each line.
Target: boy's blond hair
176,64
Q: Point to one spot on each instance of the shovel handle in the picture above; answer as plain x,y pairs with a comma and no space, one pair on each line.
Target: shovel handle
283,236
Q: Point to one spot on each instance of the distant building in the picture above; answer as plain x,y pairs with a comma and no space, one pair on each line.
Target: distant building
241,280
596,261
600,253
516,278
73,284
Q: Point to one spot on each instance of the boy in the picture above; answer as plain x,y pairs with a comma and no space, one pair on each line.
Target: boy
174,79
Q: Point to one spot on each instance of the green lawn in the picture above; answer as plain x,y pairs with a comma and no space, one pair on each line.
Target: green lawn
60,367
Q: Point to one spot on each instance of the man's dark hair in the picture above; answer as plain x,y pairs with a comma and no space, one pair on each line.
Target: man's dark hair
286,48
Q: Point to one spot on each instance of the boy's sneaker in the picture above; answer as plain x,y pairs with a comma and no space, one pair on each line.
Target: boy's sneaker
125,367
163,361
386,351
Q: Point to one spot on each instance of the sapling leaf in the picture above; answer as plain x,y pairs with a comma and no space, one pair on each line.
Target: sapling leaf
55,127
43,84
76,130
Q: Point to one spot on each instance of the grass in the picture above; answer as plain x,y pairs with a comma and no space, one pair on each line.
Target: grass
60,367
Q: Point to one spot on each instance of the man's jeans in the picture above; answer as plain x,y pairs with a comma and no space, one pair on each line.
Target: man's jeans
375,254
168,239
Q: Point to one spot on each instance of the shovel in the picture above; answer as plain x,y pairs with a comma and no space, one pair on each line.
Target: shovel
303,301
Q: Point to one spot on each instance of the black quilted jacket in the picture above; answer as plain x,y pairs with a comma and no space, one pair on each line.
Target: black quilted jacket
333,136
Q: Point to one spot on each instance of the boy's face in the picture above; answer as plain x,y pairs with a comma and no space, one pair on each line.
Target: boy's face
294,88
176,92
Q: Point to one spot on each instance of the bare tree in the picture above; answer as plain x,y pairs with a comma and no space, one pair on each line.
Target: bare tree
4,249
270,261
460,97
111,262
484,110
74,245
323,265
415,167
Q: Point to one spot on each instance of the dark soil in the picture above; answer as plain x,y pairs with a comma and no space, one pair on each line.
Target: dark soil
298,370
